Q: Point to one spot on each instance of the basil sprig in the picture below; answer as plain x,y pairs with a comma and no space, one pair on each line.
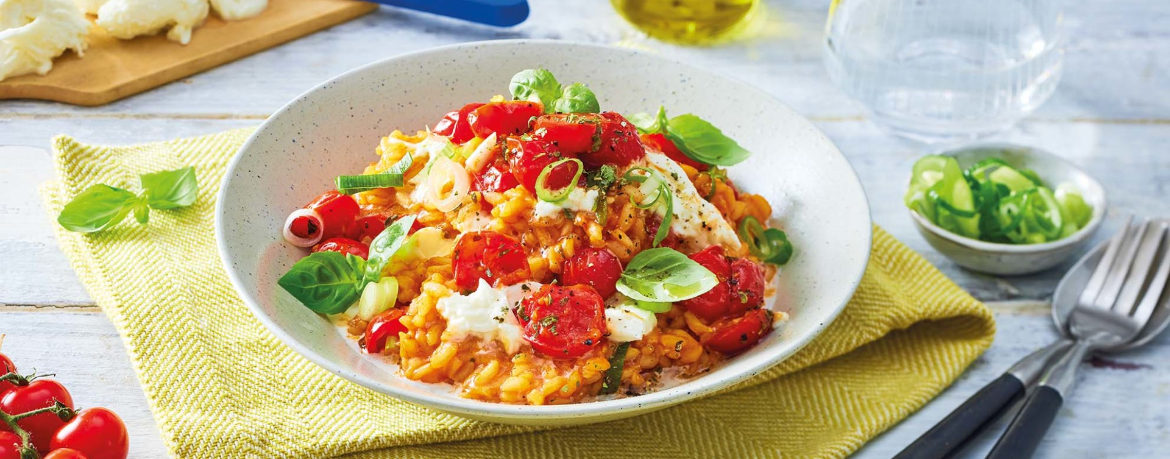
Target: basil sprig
664,275
694,136
329,282
539,85
102,206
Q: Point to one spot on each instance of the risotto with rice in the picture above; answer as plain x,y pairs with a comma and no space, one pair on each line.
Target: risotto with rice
539,250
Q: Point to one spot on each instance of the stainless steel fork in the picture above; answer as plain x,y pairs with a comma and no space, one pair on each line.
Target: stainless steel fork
1114,306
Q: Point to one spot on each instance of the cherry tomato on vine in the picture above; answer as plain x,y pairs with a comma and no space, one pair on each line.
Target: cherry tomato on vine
491,256
37,394
66,453
9,445
734,335
343,246
381,328
563,322
713,304
455,124
6,366
338,212
97,433
597,268
503,118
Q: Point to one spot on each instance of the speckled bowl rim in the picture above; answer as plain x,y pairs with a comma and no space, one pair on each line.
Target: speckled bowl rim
1000,248
500,412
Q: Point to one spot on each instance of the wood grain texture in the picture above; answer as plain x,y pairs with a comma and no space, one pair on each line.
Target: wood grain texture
112,69
1111,115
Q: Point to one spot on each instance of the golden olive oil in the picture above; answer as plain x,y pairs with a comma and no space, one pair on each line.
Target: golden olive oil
688,21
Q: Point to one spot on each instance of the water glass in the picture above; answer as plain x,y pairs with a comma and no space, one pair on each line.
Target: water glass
944,70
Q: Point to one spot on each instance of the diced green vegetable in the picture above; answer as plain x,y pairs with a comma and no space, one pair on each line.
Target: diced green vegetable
613,376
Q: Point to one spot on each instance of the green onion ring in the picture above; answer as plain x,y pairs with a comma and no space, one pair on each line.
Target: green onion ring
663,195
769,245
555,196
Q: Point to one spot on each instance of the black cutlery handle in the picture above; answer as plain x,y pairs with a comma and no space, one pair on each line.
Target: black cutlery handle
1029,426
967,420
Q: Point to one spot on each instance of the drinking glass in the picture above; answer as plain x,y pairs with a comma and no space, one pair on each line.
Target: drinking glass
944,70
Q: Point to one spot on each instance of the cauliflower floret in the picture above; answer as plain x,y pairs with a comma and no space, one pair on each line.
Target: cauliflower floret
127,19
234,10
33,32
90,6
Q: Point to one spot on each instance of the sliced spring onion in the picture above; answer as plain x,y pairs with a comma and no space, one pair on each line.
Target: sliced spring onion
613,376
378,297
482,155
549,195
653,306
447,184
392,177
769,245
655,188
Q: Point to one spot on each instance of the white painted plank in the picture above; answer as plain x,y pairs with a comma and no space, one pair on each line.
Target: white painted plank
1114,413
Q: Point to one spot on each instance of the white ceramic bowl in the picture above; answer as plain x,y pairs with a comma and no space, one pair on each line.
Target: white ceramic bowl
333,129
1017,259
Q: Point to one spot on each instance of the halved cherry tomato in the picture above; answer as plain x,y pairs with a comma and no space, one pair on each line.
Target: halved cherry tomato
528,158
619,144
713,304
672,240
491,256
95,433
36,395
366,227
597,268
66,453
381,328
563,322
6,366
343,246
496,177
9,445
661,143
747,286
503,118
570,134
338,211
455,124
734,335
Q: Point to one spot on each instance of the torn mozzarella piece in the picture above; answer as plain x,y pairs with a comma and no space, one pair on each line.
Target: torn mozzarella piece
626,322
485,313
694,217
579,199
33,32
127,19
234,10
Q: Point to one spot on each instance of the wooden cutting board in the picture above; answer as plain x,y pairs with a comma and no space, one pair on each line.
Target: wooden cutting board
112,69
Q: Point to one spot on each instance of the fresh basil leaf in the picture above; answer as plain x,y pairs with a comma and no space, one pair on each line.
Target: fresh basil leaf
142,211
383,247
576,98
664,275
324,282
97,208
704,142
650,124
536,85
170,189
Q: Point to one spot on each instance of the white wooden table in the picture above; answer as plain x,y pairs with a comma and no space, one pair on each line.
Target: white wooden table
1111,114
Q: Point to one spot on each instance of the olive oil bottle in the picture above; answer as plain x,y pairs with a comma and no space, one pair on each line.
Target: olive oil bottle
689,21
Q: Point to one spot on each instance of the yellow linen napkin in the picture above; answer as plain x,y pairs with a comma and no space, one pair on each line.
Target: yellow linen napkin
220,385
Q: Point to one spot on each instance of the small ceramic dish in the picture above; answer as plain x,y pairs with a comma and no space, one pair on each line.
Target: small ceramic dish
334,128
1017,259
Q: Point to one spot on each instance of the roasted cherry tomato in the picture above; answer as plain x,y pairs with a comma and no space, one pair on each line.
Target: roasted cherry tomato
570,134
9,445
366,227
597,268
528,158
36,395
619,143
734,335
671,240
338,212
747,286
95,433
66,453
490,256
343,246
713,304
503,118
661,143
381,328
563,322
455,124
496,177
6,366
